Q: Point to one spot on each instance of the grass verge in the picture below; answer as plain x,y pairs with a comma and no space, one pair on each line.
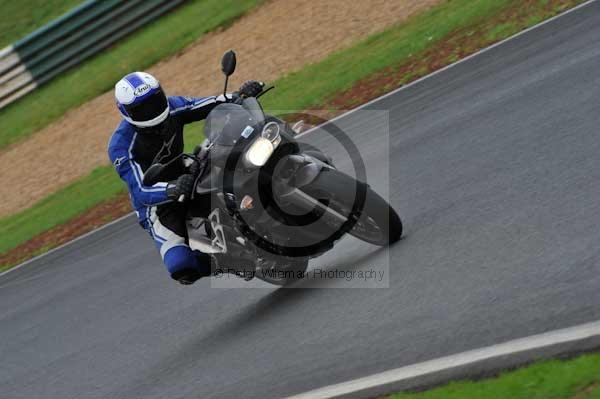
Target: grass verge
20,18
578,378
100,185
152,43
346,78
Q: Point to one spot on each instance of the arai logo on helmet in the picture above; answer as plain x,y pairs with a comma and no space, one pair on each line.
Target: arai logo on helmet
141,90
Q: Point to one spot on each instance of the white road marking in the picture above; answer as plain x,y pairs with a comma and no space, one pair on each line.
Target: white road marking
562,336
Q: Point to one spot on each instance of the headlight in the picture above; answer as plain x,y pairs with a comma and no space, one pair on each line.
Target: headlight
259,152
271,133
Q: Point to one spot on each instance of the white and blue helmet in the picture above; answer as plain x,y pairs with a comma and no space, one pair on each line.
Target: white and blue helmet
141,100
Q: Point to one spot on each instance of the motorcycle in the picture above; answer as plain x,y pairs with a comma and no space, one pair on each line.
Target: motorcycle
263,205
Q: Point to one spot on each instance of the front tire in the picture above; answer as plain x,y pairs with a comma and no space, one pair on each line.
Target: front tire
377,224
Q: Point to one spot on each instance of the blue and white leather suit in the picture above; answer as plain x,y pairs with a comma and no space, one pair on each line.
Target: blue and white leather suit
132,150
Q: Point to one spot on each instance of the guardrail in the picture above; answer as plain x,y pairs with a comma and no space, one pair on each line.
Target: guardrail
69,40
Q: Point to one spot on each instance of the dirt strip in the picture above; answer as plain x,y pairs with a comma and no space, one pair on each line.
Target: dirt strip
97,216
459,43
278,37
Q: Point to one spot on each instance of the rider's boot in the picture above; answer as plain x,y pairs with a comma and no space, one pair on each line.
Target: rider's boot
190,275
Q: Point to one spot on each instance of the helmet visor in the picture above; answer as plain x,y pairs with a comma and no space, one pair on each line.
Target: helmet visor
148,109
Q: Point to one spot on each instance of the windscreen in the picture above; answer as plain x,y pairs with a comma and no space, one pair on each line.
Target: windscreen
227,122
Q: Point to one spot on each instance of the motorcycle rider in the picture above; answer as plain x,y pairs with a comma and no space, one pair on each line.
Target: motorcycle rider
152,131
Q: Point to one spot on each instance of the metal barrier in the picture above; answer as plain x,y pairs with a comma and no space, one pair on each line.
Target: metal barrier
67,41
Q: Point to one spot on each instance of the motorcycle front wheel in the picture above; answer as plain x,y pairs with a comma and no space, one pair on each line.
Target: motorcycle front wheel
377,223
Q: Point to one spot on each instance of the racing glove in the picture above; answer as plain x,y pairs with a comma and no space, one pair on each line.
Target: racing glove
251,88
184,185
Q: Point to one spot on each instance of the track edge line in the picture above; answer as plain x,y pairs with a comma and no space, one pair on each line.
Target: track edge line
508,353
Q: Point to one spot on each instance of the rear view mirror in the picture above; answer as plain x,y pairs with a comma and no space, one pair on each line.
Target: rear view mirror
228,63
152,175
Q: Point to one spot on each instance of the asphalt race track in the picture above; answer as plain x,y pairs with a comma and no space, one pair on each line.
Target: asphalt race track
494,165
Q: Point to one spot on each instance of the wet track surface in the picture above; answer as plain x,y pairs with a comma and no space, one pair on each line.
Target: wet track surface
494,166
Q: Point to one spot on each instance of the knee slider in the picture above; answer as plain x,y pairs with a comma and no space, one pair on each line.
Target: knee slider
186,276
185,265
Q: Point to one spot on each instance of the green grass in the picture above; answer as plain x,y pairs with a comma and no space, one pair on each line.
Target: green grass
310,86
19,18
101,184
314,84
160,39
553,379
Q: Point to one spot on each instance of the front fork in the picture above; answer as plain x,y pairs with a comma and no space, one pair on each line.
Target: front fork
301,170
